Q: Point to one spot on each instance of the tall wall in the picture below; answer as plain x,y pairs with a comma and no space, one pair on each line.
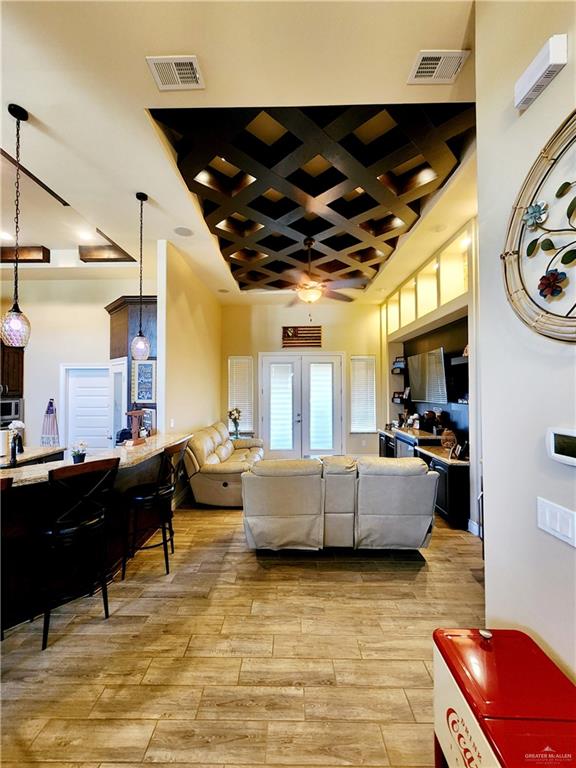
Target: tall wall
351,328
528,381
69,325
189,345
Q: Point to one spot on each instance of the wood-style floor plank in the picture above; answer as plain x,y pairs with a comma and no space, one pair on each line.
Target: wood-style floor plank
239,659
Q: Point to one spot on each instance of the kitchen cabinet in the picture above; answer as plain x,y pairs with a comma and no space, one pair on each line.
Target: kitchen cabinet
386,445
12,371
453,495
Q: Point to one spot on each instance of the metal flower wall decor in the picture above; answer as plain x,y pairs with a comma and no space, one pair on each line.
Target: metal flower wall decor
539,257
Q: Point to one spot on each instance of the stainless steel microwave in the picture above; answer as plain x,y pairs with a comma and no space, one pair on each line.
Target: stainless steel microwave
11,409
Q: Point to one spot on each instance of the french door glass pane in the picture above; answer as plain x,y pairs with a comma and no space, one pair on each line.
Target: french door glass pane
281,407
321,436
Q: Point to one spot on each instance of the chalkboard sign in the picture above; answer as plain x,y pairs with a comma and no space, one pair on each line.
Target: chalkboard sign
143,381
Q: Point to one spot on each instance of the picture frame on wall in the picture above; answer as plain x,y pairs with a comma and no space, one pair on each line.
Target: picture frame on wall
143,381
149,420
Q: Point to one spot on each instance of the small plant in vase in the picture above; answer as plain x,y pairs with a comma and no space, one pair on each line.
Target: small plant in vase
234,416
78,453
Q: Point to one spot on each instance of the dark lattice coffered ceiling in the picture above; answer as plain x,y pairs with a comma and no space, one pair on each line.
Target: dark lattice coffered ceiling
353,178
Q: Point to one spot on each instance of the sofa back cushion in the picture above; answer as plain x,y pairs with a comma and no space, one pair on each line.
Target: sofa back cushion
222,430
339,465
287,467
225,450
202,446
398,467
215,435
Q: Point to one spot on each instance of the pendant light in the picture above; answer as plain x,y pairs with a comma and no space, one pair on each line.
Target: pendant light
140,346
15,326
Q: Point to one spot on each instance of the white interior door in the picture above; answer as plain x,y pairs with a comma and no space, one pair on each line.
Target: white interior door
301,405
118,383
89,407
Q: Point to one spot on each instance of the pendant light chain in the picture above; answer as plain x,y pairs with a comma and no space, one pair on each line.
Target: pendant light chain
141,237
17,213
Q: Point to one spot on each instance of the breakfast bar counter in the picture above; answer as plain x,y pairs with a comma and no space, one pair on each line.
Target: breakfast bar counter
33,455
129,457
26,510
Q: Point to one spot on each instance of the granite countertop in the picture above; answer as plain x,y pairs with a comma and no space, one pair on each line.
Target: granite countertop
129,457
418,434
437,452
31,453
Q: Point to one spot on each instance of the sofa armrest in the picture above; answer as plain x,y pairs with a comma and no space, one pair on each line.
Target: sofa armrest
225,468
250,442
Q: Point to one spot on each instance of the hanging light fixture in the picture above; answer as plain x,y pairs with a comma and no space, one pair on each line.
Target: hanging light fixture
15,326
310,291
140,346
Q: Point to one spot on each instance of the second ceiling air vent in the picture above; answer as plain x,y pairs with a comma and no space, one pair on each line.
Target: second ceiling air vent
437,67
176,73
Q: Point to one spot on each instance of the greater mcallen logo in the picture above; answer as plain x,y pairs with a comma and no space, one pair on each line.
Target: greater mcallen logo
548,757
461,735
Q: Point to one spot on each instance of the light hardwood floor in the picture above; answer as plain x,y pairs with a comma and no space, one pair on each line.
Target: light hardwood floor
239,659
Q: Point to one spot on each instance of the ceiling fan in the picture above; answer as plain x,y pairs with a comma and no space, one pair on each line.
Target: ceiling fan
309,288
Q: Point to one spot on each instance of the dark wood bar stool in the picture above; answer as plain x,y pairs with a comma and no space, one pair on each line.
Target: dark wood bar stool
149,506
73,547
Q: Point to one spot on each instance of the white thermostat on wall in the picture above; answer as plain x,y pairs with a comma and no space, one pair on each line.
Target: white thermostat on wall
561,445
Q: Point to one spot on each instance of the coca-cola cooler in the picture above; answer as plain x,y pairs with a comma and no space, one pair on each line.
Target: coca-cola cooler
500,702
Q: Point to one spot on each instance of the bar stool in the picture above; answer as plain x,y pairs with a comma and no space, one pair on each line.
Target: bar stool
149,506
73,547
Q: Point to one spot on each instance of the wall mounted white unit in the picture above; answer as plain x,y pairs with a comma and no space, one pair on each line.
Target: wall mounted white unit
550,60
561,445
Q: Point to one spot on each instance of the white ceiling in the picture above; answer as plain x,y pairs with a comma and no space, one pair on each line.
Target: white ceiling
79,68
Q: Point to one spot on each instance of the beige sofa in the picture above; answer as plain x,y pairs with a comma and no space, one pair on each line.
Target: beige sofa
366,503
215,464
284,504
395,503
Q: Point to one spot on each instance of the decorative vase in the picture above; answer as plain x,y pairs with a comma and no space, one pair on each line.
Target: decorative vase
78,458
236,432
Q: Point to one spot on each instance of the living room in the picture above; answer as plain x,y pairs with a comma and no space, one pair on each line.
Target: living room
80,71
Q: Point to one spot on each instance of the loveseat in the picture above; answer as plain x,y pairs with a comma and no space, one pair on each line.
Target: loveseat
366,503
215,464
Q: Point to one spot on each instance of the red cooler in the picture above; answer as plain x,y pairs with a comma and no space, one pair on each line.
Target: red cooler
500,702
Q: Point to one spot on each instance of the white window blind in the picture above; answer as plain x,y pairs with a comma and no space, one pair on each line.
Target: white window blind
363,394
281,407
241,391
321,426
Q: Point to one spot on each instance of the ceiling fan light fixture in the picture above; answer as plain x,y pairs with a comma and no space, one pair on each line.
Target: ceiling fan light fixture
309,293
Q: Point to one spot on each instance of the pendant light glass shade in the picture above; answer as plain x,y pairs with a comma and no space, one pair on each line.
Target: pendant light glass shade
15,329
15,326
140,345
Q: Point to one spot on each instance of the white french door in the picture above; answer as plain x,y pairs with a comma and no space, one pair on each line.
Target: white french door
301,405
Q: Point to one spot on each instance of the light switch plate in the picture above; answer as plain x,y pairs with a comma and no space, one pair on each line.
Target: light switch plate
556,520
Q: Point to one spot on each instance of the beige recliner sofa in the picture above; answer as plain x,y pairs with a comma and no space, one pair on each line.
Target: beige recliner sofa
215,464
284,504
366,503
395,503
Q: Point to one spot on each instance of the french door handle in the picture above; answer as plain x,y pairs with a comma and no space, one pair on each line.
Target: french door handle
298,421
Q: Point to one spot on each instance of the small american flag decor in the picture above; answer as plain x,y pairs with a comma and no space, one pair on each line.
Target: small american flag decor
301,336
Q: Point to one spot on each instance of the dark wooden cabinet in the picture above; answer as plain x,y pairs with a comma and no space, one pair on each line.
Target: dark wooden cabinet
453,497
12,371
386,445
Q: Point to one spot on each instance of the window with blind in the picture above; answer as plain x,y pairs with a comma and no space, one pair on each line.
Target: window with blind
363,394
241,391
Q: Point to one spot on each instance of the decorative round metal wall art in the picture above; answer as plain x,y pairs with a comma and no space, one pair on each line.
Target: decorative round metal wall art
539,257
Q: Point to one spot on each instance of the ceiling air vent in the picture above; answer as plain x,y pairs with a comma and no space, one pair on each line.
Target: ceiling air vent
437,67
176,73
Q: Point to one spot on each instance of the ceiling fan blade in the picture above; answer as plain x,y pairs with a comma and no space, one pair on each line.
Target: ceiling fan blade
295,275
353,282
337,296
294,301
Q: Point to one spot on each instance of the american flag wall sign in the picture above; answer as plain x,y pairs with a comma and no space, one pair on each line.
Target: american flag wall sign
302,336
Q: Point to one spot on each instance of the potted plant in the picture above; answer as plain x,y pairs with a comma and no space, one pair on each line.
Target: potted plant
78,453
234,416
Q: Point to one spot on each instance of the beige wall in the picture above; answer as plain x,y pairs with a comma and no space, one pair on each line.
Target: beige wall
69,325
528,381
189,345
351,328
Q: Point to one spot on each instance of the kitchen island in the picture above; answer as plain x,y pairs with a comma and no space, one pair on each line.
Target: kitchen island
34,455
26,511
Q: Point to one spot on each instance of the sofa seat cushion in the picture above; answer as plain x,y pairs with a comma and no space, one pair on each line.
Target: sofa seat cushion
339,465
397,467
287,467
225,450
240,455
229,467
